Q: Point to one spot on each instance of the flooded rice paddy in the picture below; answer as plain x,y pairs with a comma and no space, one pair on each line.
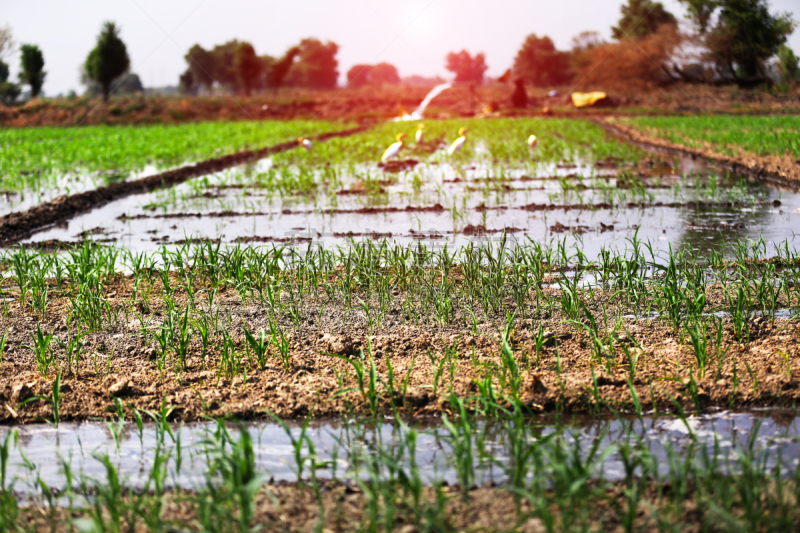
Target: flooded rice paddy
674,202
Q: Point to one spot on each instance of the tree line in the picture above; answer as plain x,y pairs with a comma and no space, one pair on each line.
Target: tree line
731,41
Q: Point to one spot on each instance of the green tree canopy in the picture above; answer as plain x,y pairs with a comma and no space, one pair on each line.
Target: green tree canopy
360,75
6,41
8,91
280,68
201,67
641,18
540,64
742,36
249,67
108,60
466,67
32,68
788,65
316,66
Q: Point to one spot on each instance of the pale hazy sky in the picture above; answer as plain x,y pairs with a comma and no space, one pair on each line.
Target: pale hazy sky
414,35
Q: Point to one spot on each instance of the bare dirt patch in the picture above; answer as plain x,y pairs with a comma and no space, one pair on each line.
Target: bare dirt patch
429,362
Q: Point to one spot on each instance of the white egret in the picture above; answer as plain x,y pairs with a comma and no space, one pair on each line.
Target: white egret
532,141
304,143
394,149
420,134
458,144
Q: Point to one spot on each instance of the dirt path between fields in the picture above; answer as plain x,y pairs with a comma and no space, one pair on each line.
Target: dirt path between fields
15,226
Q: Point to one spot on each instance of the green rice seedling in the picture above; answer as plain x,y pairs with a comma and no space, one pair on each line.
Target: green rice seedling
259,346
161,421
699,338
42,352
739,308
459,436
201,326
72,350
233,465
116,428
9,441
54,401
138,422
107,511
282,344
538,344
3,340
183,338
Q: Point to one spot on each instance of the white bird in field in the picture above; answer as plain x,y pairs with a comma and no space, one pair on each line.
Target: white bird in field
532,141
304,143
420,134
394,149
458,144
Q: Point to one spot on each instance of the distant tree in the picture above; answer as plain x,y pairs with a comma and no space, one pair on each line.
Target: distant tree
248,67
108,60
186,83
539,63
280,68
465,67
358,75
32,68
740,35
201,67
8,91
788,65
130,83
382,73
586,40
6,42
224,66
641,18
581,44
316,65
630,64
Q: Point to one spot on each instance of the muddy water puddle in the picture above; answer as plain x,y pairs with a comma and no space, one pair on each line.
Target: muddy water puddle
772,436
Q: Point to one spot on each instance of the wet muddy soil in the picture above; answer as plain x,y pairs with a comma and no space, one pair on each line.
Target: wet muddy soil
428,362
289,507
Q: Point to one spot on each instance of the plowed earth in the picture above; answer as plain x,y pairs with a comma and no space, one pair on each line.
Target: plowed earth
565,374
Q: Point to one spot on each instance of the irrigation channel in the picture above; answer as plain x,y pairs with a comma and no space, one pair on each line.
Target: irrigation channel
770,438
